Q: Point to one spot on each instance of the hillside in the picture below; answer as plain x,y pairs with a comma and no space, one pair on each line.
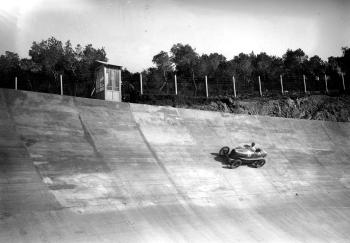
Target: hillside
311,107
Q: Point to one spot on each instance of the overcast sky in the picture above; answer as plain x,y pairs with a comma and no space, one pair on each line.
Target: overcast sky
132,32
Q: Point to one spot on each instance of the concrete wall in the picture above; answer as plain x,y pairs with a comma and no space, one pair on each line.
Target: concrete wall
109,171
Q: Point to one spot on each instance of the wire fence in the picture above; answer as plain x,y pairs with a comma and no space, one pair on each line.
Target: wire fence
49,84
242,86
196,87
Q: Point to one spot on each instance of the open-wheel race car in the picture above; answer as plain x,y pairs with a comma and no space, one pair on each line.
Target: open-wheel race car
243,155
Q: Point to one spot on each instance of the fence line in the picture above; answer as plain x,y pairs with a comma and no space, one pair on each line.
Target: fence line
212,86
62,87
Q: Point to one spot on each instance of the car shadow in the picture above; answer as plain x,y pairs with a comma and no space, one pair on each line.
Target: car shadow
224,163
222,160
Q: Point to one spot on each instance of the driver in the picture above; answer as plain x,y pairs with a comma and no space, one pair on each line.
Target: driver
252,147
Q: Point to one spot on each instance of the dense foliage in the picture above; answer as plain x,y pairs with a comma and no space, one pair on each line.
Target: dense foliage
191,68
48,59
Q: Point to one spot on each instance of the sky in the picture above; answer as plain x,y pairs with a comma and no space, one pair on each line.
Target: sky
132,32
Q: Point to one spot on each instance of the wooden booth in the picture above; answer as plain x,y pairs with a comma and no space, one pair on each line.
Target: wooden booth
108,81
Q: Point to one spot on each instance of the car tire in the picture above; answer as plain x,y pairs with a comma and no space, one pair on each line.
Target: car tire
259,163
236,163
224,151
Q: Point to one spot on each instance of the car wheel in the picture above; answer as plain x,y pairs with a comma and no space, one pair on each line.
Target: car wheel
224,150
259,163
235,163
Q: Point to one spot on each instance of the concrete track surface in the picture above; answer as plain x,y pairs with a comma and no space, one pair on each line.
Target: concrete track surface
81,170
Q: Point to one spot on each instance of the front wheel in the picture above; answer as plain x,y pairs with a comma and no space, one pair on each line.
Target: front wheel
259,163
235,163
224,151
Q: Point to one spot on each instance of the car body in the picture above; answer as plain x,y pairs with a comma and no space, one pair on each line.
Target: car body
243,155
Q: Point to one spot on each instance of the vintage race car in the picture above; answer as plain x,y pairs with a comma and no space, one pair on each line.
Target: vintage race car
243,155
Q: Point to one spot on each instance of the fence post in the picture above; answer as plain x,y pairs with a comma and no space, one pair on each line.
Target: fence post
281,79
61,84
304,79
175,85
15,83
342,77
92,92
260,86
206,85
141,90
325,81
120,85
234,85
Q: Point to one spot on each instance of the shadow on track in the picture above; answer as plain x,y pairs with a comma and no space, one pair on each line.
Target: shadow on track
226,165
222,160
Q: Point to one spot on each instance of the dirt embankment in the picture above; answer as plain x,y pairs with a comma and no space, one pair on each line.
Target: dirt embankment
313,107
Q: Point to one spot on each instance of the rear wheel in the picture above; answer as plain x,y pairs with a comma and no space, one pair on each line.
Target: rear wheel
259,163
235,163
224,151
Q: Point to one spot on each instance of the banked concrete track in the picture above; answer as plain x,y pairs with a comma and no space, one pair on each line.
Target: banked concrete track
80,170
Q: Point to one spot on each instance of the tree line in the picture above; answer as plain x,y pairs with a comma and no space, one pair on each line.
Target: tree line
186,63
48,59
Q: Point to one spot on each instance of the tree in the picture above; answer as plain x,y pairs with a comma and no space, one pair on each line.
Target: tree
333,65
30,71
129,90
294,61
48,54
86,64
344,60
185,59
9,68
315,66
53,58
269,68
245,67
152,79
70,66
164,65
208,65
263,64
9,62
276,68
